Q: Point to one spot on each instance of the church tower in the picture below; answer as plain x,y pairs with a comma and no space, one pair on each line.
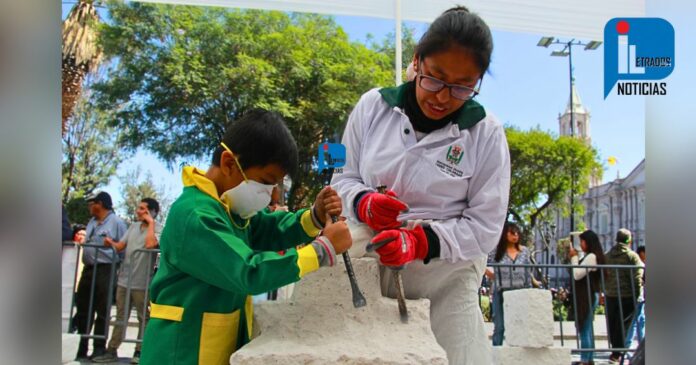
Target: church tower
581,116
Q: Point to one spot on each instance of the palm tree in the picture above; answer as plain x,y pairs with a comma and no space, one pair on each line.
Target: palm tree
81,54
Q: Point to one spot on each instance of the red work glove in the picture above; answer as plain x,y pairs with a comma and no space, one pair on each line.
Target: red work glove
410,244
379,211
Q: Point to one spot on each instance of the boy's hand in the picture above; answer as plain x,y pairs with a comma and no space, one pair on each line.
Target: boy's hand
327,202
338,234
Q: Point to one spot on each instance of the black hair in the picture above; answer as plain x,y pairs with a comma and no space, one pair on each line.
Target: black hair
458,26
593,246
502,244
76,228
591,283
152,204
640,249
260,138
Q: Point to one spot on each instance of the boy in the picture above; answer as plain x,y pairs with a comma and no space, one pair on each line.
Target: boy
219,246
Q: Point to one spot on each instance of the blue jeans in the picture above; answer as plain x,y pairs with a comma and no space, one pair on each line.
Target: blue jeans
498,321
637,326
586,335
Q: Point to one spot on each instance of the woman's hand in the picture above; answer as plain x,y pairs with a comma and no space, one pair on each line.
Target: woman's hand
572,252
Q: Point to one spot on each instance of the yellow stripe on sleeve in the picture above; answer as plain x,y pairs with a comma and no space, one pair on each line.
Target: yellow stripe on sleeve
307,260
249,313
308,224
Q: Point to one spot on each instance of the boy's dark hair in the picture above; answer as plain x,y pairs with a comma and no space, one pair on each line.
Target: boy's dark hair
640,249
260,138
152,204
458,26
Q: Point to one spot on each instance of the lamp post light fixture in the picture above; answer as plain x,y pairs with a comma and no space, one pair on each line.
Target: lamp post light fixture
567,51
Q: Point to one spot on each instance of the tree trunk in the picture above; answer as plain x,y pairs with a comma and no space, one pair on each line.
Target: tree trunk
72,77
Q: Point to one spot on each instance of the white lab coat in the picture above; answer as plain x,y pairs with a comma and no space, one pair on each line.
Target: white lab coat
457,179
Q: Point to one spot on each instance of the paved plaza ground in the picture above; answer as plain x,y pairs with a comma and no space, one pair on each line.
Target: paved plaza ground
568,341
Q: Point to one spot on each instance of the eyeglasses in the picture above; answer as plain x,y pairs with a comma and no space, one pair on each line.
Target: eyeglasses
434,85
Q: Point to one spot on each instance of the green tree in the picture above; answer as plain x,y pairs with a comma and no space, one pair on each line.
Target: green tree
543,167
91,152
388,47
80,53
184,73
134,189
78,211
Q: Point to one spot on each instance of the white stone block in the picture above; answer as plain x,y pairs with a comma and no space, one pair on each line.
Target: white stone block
70,343
319,325
505,355
528,315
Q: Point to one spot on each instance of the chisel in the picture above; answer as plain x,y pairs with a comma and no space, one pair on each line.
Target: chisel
398,283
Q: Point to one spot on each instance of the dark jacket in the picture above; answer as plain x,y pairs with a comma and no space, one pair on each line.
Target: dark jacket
621,254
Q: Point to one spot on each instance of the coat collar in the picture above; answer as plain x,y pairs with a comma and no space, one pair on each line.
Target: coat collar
471,113
192,176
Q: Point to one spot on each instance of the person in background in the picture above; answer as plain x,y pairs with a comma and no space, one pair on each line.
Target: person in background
637,329
587,289
135,270
275,201
104,228
79,234
622,290
65,225
69,261
508,252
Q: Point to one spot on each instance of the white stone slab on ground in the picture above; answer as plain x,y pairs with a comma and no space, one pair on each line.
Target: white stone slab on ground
528,315
506,355
319,325
69,344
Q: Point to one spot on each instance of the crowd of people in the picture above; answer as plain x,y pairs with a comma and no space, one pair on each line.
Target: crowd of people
620,290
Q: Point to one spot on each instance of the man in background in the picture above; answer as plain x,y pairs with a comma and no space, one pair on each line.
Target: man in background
104,227
637,328
136,268
622,290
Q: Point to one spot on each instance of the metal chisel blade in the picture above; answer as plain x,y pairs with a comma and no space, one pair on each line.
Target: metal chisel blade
403,312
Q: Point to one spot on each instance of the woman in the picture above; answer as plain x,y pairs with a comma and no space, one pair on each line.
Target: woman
586,289
508,252
446,164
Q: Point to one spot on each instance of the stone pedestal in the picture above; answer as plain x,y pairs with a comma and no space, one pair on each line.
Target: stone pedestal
69,344
528,317
319,325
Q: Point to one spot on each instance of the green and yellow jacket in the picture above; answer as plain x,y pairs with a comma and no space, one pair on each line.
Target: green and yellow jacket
211,262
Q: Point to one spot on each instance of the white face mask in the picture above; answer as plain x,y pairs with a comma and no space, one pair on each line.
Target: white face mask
248,198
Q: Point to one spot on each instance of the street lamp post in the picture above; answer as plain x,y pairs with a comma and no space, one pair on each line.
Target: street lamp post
567,51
